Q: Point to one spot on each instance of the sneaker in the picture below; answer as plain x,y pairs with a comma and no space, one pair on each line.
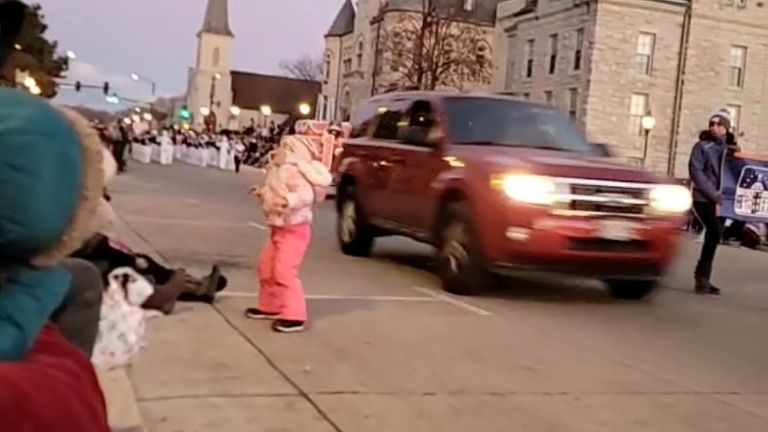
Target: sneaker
257,314
287,326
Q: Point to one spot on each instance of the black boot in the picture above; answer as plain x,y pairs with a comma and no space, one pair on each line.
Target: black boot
204,290
705,287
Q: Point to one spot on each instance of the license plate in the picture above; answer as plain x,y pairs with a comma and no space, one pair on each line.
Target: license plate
617,229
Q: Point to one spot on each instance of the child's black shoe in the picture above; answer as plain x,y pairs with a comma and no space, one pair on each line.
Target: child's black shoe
288,326
257,314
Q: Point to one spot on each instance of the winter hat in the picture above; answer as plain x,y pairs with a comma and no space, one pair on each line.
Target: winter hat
12,15
51,181
723,117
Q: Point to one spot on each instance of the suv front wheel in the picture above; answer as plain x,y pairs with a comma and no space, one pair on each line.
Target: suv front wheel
354,234
459,260
632,289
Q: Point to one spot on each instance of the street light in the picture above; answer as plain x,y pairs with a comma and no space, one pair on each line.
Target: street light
648,122
235,110
135,118
305,109
35,90
266,110
71,55
137,77
147,116
205,111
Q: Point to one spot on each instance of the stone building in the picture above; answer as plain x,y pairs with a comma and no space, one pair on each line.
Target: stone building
355,62
239,99
610,62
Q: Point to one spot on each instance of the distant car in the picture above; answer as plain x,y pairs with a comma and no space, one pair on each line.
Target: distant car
500,185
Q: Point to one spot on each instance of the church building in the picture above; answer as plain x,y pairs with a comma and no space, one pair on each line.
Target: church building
221,98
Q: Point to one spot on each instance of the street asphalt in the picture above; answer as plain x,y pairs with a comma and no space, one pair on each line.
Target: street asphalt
388,351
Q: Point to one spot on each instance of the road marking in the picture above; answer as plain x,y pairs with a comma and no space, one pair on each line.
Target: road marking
450,300
257,225
195,223
234,294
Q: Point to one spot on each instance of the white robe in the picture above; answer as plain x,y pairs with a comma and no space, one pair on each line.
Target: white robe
224,154
166,150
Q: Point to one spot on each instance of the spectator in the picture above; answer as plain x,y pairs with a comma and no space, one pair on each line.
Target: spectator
704,168
50,185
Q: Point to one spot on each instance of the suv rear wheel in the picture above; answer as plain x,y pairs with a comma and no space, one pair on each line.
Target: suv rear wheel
459,260
631,289
354,234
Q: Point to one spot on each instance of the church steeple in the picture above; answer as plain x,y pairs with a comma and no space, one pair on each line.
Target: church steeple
217,18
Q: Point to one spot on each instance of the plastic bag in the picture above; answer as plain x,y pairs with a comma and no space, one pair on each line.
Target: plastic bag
122,324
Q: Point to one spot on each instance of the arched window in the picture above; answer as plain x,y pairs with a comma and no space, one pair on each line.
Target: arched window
327,66
216,57
359,54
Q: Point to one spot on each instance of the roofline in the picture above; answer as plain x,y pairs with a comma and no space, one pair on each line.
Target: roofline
275,76
380,16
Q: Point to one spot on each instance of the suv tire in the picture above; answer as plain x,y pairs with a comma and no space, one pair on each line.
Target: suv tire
632,289
354,235
460,263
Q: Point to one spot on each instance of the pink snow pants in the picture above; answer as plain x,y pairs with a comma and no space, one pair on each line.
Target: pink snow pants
281,291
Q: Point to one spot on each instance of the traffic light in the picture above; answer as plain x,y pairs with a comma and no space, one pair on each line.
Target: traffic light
78,86
184,113
106,88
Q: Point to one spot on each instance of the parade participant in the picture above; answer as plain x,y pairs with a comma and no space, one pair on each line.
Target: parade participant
166,148
239,154
704,167
49,189
294,181
224,150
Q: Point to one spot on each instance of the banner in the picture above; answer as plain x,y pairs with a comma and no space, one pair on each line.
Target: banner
745,188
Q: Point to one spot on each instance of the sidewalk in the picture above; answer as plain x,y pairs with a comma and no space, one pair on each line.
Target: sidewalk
198,373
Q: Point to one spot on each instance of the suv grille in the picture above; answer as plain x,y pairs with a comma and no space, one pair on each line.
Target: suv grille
603,198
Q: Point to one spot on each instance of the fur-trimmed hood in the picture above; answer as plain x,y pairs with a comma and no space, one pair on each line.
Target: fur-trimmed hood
51,181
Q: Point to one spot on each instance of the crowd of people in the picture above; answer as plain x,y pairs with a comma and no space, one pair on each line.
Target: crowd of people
226,149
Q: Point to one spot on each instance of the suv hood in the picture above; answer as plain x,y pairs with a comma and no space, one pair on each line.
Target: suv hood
554,163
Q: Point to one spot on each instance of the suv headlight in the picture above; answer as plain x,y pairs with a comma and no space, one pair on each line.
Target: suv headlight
527,188
670,199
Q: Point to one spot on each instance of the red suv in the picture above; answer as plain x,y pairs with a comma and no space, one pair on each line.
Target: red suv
500,185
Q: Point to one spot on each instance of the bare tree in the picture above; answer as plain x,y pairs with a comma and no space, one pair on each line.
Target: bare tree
304,67
428,49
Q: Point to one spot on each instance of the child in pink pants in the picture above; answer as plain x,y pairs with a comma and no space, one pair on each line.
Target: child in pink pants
294,182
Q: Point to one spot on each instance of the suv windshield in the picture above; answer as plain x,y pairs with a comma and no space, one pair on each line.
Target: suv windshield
506,122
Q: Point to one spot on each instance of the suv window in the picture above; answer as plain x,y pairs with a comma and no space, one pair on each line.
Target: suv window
507,122
419,124
364,120
389,117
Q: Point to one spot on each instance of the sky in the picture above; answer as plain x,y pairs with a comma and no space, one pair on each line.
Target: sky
156,38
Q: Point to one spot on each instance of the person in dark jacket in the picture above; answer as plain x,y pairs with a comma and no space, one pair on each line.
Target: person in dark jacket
704,168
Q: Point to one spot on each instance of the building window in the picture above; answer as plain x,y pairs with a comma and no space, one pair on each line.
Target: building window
553,42
469,5
549,97
529,53
577,53
216,57
646,45
360,48
735,113
638,107
737,65
347,65
327,68
573,103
